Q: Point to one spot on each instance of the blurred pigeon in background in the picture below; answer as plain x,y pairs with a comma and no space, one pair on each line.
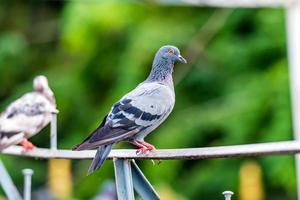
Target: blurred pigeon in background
139,112
27,115
108,191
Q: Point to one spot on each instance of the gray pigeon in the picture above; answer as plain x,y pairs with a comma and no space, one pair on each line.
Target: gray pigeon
27,115
139,112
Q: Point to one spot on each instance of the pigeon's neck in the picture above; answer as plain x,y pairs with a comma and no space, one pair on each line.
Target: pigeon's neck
48,94
161,72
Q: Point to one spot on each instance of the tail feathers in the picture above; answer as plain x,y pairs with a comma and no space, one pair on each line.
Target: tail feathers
10,138
100,157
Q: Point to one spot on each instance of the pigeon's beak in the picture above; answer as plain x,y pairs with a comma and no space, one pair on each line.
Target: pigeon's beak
181,59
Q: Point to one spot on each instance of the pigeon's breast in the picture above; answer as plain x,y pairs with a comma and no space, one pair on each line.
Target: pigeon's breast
161,101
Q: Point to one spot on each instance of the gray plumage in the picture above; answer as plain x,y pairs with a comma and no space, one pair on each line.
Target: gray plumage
27,115
139,112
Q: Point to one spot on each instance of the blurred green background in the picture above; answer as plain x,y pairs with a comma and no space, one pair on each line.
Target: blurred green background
234,90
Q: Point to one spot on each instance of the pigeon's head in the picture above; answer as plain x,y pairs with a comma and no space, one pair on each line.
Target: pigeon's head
163,63
40,84
170,53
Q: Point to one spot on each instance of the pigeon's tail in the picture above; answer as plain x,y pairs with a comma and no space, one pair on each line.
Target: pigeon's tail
10,138
100,157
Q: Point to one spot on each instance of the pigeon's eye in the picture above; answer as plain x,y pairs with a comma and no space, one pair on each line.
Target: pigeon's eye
170,51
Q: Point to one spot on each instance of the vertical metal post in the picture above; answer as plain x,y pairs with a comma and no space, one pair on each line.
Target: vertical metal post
53,132
141,185
293,37
27,183
123,179
227,195
7,184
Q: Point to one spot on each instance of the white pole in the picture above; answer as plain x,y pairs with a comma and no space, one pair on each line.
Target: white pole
293,37
227,195
53,132
27,183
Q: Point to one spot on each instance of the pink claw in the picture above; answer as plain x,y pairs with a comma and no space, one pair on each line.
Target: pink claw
27,145
144,147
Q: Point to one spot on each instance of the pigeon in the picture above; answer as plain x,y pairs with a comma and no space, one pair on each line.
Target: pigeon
27,115
138,112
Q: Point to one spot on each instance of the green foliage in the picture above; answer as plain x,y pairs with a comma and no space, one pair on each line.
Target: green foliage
236,91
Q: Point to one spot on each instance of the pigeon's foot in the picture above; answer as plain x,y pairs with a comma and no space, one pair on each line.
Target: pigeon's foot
150,147
141,151
27,145
144,147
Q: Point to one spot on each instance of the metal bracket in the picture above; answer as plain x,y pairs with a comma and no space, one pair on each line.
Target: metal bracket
7,184
141,184
129,177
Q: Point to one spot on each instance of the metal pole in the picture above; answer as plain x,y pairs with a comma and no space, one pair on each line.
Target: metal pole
27,183
293,37
227,195
123,179
53,132
7,184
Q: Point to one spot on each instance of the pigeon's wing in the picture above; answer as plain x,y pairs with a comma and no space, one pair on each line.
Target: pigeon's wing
145,106
28,114
30,104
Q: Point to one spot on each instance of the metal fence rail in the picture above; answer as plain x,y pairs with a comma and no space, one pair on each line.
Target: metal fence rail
272,148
